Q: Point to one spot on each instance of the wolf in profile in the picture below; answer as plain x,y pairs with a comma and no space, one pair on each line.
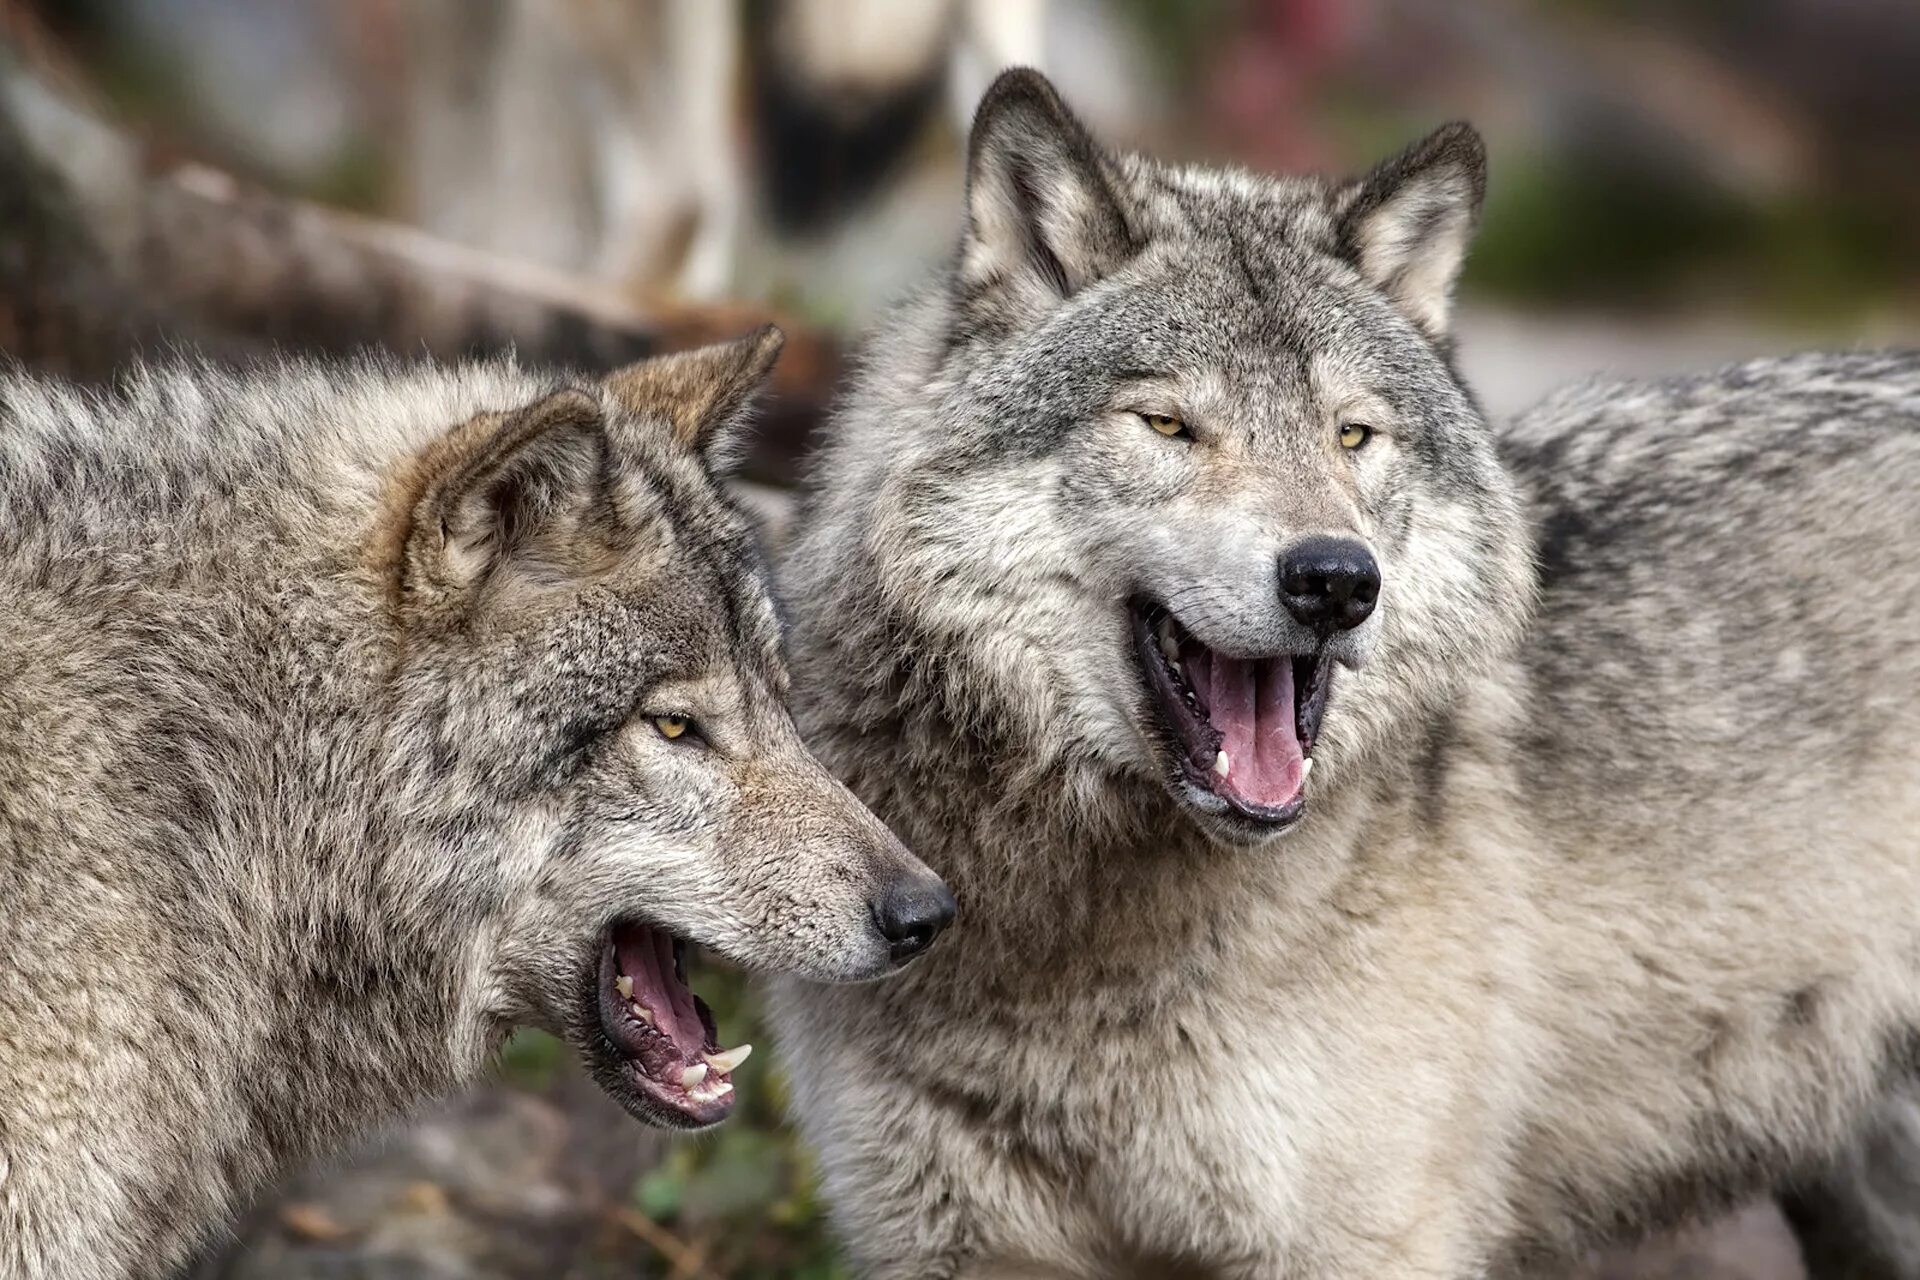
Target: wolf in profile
351,716
1388,850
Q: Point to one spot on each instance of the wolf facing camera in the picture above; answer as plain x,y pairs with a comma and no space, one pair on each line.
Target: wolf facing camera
1390,849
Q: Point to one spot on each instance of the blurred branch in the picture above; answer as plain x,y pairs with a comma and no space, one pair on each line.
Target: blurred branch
689,1261
103,260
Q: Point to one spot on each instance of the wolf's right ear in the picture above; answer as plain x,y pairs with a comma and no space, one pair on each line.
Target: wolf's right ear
1406,225
704,395
1043,216
497,486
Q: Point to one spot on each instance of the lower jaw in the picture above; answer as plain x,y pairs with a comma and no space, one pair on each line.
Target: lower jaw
1256,822
646,1099
678,1113
1277,817
649,1100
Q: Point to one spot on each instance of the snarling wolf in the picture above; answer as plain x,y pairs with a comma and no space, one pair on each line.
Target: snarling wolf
1388,849
351,716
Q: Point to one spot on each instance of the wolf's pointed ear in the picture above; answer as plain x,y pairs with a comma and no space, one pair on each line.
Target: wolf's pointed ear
1407,224
498,484
703,394
1043,216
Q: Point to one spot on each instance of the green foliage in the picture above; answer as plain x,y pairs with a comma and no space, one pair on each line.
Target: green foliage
1179,34
532,1060
749,1189
1598,231
359,176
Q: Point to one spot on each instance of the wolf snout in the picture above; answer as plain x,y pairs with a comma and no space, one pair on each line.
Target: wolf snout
910,913
1329,584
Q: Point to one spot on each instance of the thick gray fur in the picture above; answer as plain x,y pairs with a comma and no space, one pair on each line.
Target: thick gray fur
326,759
1605,908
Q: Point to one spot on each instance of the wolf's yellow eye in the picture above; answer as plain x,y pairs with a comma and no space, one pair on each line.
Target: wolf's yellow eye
671,726
1166,424
1355,434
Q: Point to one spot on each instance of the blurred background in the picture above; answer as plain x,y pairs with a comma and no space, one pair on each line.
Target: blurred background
1675,183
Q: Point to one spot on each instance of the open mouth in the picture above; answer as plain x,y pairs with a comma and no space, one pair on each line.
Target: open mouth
663,1032
1243,728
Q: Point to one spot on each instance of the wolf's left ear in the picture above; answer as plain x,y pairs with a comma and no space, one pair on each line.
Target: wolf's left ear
1407,224
703,395
1043,216
502,493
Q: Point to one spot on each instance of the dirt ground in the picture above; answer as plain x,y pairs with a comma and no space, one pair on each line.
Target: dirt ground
508,1185
501,1185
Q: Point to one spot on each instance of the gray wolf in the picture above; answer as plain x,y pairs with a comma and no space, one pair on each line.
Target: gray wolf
1388,849
352,715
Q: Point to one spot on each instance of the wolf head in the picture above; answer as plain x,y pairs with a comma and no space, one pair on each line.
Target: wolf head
589,651
1172,471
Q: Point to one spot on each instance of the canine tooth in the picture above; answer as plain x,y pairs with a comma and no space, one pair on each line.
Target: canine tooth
725,1063
724,1089
1221,764
1168,649
693,1075
1306,767
641,1012
624,985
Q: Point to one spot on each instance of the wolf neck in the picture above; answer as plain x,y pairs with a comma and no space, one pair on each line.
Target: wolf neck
229,1005
208,1067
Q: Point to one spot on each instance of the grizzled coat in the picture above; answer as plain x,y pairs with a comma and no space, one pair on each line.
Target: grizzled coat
1605,904
325,760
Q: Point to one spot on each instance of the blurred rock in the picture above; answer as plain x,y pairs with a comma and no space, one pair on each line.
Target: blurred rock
1860,1219
1753,1244
502,1185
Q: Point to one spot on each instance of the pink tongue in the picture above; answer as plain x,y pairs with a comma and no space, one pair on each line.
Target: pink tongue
1251,704
646,956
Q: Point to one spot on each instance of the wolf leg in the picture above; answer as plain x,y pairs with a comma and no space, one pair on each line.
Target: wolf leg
1860,1218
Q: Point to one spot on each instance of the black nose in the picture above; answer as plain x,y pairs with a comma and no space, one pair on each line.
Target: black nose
1329,584
911,914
